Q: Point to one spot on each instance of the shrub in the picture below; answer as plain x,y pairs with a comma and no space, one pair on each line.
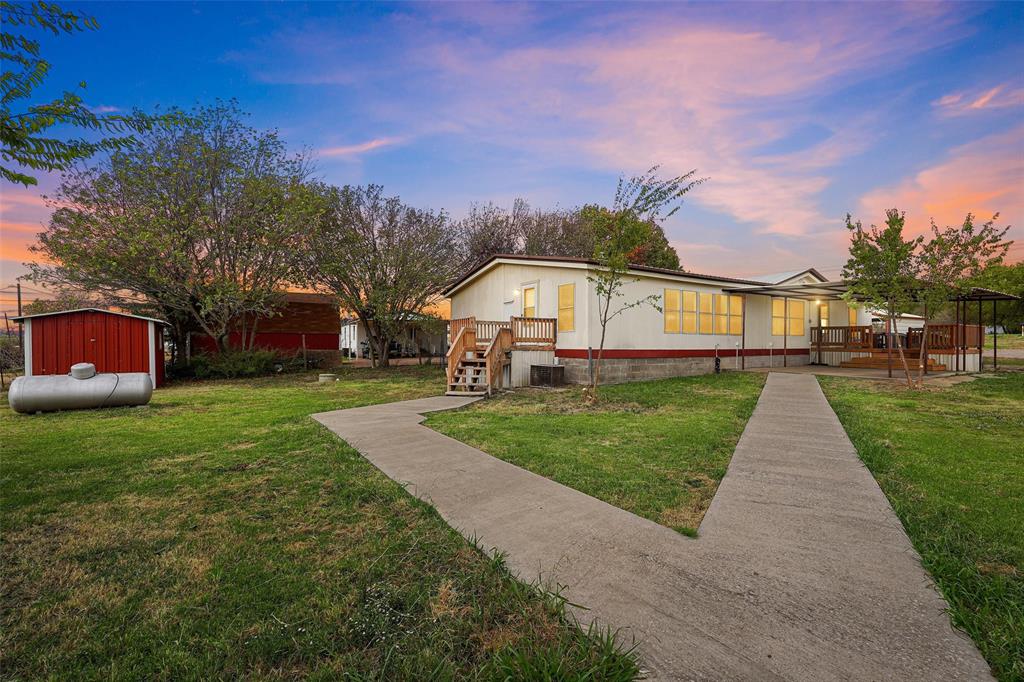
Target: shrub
235,363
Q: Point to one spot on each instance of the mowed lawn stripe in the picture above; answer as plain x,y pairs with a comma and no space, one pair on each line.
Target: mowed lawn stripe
221,533
657,449
951,462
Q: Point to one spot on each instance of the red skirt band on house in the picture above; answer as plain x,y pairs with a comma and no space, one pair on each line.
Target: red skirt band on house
647,353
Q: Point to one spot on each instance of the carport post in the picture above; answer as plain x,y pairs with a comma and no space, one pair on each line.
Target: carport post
981,338
995,339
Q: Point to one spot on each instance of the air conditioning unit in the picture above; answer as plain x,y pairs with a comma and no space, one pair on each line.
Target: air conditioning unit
547,375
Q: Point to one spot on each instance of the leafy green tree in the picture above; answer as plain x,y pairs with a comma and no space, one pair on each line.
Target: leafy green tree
384,260
643,238
24,143
640,202
490,229
949,262
201,222
1008,279
882,270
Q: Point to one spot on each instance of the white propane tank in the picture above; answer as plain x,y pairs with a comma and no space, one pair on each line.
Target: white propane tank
82,389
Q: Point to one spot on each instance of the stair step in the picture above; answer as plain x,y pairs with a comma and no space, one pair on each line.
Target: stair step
465,393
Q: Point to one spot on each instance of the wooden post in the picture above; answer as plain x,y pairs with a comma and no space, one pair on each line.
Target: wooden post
981,338
305,363
821,330
785,331
743,337
924,340
995,339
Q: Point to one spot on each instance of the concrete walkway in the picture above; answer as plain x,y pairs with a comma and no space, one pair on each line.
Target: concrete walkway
802,571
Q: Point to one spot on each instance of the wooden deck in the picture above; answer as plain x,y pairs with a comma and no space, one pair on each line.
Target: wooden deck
869,348
479,349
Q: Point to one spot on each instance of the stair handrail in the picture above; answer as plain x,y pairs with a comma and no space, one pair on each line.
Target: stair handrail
464,339
494,357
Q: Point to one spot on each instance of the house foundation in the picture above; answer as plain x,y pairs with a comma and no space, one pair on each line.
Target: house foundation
623,370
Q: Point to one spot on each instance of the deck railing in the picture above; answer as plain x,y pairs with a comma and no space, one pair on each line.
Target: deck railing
495,357
941,337
534,332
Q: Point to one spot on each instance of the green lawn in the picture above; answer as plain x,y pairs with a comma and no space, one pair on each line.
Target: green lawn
657,449
1006,341
951,462
221,533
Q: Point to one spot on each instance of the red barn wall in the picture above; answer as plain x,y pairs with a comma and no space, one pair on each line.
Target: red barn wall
114,343
301,315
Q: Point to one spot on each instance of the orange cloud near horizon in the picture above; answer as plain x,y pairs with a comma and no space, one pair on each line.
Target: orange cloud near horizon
982,178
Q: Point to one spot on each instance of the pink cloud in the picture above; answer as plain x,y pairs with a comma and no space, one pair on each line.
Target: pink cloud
960,103
691,95
354,150
983,177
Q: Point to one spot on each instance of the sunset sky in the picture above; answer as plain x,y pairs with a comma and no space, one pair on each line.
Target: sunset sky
797,113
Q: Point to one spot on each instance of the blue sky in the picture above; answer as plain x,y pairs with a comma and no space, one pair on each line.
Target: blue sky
797,113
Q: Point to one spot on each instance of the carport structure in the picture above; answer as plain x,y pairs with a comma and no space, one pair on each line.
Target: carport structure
947,346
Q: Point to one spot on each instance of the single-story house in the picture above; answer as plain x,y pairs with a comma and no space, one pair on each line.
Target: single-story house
550,309
303,321
415,340
112,341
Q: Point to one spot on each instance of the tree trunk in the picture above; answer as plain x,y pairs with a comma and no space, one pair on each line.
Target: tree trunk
383,348
923,355
252,335
899,349
600,351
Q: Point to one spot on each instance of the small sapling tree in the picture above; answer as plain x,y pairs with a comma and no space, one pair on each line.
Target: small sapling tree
641,202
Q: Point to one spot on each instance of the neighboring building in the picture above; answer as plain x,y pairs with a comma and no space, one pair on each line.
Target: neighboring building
114,342
772,320
303,321
416,340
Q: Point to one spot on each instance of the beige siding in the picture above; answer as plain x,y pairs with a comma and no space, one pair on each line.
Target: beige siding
496,294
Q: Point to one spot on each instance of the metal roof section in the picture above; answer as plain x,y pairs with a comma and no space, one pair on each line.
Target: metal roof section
833,291
554,261
20,318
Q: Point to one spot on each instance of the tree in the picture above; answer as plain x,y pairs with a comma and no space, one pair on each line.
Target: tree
201,222
1008,279
949,261
645,244
23,141
490,229
640,203
384,260
65,299
882,270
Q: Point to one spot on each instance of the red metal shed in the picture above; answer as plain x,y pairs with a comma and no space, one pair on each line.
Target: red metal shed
114,342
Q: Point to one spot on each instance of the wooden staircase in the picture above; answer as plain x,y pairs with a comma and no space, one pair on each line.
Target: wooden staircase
470,374
879,360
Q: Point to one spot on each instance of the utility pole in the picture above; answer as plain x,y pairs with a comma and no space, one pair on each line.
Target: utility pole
21,325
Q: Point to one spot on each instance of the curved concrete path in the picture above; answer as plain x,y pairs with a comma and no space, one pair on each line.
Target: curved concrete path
802,570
